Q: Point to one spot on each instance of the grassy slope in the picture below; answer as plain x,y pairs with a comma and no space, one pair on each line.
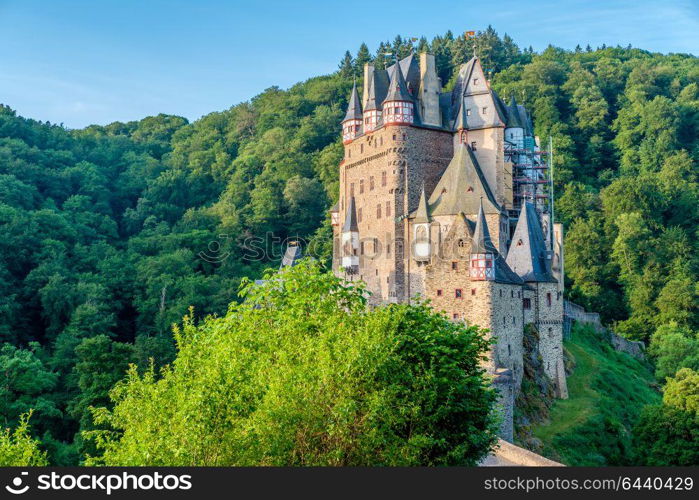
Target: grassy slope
607,391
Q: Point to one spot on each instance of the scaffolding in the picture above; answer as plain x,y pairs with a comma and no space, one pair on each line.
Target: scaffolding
532,180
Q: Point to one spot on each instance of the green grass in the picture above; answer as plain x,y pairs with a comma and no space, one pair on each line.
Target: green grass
607,391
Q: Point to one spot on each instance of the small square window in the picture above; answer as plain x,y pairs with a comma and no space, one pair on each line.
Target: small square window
527,303
473,291
457,293
475,81
473,145
468,112
439,292
485,109
454,266
455,316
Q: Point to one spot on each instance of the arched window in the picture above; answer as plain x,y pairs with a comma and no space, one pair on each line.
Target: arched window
421,233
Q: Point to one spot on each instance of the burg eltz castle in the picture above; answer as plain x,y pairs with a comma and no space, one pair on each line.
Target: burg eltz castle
446,196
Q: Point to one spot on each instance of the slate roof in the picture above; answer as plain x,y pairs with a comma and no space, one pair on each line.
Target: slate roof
292,255
354,108
482,243
527,254
350,224
421,216
461,121
397,88
461,187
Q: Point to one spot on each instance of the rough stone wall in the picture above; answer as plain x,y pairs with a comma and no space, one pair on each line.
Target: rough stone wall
548,320
406,157
504,383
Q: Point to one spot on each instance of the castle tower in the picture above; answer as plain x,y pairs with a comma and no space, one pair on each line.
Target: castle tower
422,246
398,107
530,259
352,124
430,87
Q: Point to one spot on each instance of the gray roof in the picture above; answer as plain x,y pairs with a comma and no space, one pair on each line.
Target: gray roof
354,108
482,243
410,66
500,106
292,255
461,121
421,216
350,224
372,100
513,117
527,254
461,187
397,88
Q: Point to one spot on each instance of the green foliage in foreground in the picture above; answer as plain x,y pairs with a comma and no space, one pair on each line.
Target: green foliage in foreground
301,373
18,449
608,391
666,435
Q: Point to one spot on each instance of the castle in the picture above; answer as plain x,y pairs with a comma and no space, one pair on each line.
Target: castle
446,196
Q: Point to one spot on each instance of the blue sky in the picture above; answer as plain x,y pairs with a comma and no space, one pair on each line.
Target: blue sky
79,62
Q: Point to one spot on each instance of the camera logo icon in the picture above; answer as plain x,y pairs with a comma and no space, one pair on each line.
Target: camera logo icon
16,487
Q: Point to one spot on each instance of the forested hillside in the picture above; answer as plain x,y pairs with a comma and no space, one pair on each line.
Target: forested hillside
110,233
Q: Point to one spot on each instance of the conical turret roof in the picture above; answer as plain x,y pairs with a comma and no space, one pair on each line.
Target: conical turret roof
421,215
397,89
350,224
354,107
482,243
514,119
527,255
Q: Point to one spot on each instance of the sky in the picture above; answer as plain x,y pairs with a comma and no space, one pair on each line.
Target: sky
82,62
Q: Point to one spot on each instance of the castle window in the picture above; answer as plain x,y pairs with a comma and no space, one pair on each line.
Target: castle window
454,266
519,295
473,145
558,295
394,137
371,183
404,137
512,294
380,141
468,112
359,215
461,243
361,148
509,350
473,291
457,293
388,249
485,109
475,81
470,189
504,321
439,292
361,186
352,189
527,303
361,248
520,243
500,293
349,152
388,209
548,299
378,211
455,316
383,178
514,321
464,136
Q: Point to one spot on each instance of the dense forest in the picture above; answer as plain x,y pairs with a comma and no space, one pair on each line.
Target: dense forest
111,233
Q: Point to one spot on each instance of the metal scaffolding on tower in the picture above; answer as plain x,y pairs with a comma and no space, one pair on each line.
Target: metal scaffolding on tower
531,178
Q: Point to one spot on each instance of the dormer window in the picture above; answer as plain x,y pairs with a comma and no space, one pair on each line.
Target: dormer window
485,109
468,112
473,146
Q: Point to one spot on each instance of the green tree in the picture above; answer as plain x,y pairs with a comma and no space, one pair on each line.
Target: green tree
666,436
326,382
18,448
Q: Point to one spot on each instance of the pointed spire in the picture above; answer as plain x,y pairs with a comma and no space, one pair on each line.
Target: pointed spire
514,117
528,254
397,89
421,215
292,255
481,242
354,108
350,225
371,101
461,122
